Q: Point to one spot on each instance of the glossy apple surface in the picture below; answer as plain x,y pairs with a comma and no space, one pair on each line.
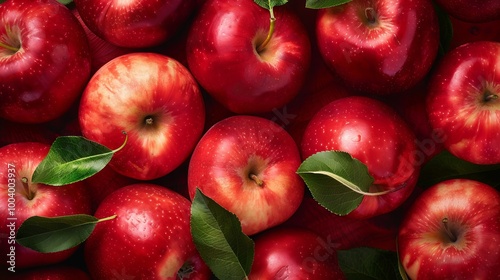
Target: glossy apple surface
381,46
294,253
44,60
223,55
150,238
156,101
22,200
134,24
472,10
248,165
464,102
462,247
374,134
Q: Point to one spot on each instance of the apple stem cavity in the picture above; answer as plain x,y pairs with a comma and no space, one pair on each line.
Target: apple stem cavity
29,194
371,16
450,234
490,97
256,179
272,24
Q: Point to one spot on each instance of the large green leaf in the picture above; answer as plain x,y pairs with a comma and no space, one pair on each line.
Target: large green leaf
322,4
72,159
219,239
369,264
446,166
55,234
337,181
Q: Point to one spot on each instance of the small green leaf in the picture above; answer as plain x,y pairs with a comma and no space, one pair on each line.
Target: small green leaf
269,4
218,236
337,181
55,234
65,2
368,264
72,159
446,166
322,4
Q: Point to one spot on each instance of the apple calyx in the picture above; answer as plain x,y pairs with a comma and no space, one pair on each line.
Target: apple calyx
452,236
29,193
272,24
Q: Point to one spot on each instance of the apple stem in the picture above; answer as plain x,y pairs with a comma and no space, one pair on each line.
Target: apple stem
370,15
27,188
450,234
11,48
490,97
256,179
272,23
149,121
123,144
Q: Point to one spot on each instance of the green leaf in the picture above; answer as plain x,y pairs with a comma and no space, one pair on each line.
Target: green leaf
72,159
368,264
322,4
337,181
269,4
446,166
55,234
65,2
219,239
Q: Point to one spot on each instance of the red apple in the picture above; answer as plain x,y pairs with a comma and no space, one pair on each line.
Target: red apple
101,51
294,253
472,10
21,199
225,56
248,165
45,60
379,46
452,232
374,134
150,238
464,103
468,32
156,101
134,24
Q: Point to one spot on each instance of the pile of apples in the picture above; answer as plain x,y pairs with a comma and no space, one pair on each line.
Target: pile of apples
242,139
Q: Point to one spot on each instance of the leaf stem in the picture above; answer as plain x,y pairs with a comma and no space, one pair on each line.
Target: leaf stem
124,142
107,218
272,24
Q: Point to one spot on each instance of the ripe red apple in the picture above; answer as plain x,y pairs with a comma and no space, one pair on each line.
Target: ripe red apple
52,272
21,199
294,253
225,56
101,51
472,10
156,101
379,46
248,165
464,103
451,232
134,24
374,134
150,238
45,60
468,32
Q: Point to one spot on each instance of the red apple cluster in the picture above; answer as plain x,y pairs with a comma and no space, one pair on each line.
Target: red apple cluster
230,98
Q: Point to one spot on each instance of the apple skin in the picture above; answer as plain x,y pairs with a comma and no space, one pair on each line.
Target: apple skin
156,101
385,57
47,201
226,157
222,55
293,253
51,272
150,238
374,134
471,10
464,103
473,210
41,80
134,24
468,32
